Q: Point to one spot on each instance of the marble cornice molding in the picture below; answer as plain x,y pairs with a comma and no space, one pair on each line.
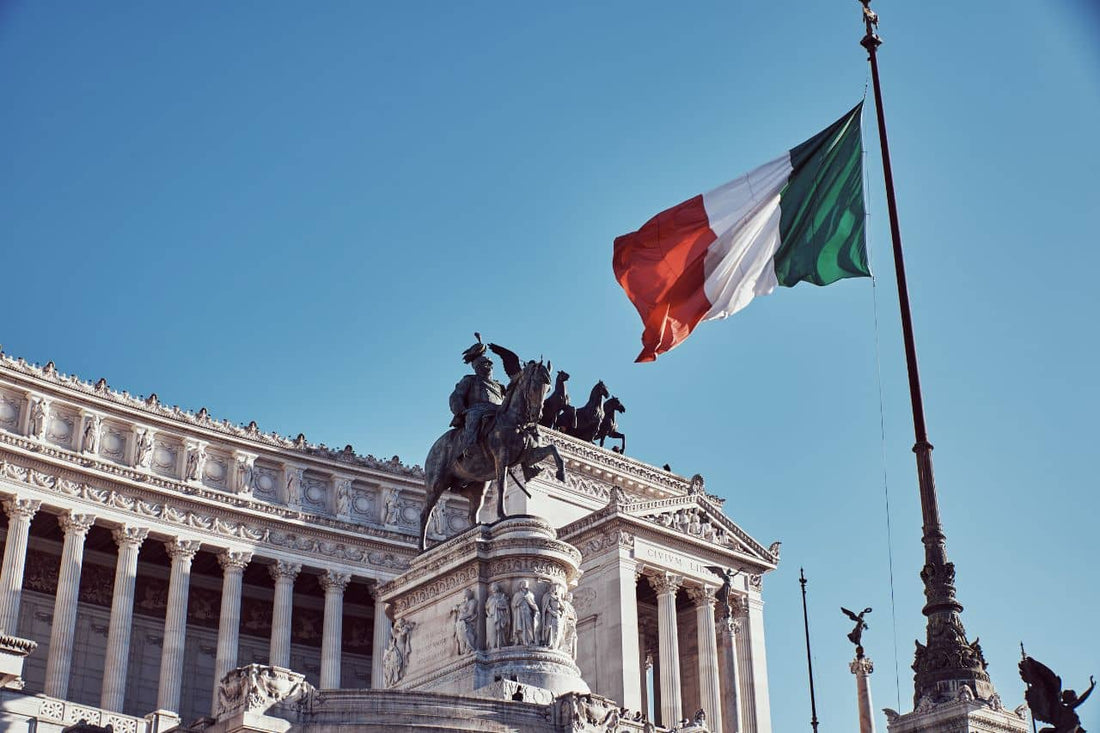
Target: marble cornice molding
614,469
177,488
218,526
602,525
22,376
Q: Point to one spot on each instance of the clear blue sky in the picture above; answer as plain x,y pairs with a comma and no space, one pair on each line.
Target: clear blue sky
298,214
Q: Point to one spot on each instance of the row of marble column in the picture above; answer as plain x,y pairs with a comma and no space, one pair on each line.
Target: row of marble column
181,551
666,585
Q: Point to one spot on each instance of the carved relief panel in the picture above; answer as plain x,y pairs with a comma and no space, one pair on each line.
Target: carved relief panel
11,408
114,439
166,456
265,480
215,473
61,427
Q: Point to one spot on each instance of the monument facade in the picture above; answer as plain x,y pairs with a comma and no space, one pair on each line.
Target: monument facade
165,569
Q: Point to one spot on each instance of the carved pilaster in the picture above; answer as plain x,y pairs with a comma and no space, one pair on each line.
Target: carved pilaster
244,472
341,496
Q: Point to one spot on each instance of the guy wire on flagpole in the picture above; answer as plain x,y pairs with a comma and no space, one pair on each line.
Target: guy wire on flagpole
809,660
948,660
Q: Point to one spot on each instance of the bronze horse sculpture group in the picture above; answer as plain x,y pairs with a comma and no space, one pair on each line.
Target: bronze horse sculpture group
595,421
511,439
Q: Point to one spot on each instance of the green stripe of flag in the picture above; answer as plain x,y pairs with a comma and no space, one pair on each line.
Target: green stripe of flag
822,215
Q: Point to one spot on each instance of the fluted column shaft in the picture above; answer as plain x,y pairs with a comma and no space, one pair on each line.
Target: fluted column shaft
668,645
229,625
20,512
382,632
710,691
182,553
59,663
129,541
284,574
334,584
727,653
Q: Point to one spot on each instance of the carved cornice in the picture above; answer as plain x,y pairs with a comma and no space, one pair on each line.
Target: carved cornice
192,514
592,456
101,394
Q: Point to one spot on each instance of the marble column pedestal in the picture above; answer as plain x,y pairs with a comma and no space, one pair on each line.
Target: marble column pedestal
520,568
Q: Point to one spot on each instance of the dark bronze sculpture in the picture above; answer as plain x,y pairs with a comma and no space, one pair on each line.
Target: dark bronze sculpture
608,428
556,402
856,635
490,438
590,416
725,593
1049,703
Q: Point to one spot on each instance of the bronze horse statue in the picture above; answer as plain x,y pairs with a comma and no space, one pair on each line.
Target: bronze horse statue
590,416
556,402
511,439
608,427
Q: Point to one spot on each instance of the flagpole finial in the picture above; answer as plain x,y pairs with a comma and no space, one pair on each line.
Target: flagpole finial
871,40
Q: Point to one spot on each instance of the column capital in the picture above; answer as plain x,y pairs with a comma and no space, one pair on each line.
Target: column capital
17,508
701,595
129,535
335,581
862,666
234,560
182,549
75,524
284,569
665,583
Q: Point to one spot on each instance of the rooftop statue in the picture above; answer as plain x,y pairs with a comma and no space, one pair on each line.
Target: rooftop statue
494,428
1048,701
856,635
724,595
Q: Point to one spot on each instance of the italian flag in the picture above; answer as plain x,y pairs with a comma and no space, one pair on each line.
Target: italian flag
798,218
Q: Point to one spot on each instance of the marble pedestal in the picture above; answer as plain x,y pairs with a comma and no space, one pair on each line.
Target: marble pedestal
966,713
445,641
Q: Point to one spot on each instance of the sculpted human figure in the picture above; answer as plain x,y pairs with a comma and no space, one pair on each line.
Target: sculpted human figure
392,506
143,449
396,659
525,616
569,627
553,609
465,631
439,518
91,436
244,476
196,461
475,396
497,611
38,418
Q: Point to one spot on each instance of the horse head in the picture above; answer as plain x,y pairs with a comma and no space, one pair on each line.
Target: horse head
599,392
563,376
529,390
613,405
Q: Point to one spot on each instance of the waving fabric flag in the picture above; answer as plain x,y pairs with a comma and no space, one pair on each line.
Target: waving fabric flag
798,218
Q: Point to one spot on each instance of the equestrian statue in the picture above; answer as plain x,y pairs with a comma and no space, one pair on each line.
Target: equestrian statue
495,427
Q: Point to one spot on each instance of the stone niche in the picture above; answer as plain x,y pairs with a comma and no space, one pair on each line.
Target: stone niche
445,640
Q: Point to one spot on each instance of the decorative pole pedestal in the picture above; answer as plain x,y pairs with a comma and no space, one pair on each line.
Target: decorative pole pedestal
862,667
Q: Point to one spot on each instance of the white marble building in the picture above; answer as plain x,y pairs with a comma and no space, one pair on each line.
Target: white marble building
149,552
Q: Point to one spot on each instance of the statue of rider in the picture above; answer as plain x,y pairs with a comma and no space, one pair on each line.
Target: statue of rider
475,397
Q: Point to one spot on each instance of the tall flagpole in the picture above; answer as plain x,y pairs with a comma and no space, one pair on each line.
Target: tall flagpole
809,661
946,660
